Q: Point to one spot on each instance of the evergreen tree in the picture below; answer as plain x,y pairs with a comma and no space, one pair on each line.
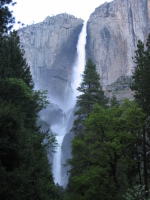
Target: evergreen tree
12,61
140,76
6,18
90,93
140,86
25,170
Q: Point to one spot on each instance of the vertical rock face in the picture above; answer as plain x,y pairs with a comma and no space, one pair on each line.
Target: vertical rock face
50,50
112,34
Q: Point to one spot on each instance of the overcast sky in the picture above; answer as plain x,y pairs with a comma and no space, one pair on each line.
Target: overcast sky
29,11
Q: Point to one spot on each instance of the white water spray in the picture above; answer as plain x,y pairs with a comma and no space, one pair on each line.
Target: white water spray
79,65
60,129
57,161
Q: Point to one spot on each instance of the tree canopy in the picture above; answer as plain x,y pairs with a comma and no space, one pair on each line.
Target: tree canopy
103,161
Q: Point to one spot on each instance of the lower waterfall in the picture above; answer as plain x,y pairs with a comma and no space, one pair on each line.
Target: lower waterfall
57,161
61,129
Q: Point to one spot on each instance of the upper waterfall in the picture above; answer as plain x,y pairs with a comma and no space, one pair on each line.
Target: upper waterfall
79,65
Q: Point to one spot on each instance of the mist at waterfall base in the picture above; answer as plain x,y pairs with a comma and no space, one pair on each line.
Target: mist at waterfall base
62,128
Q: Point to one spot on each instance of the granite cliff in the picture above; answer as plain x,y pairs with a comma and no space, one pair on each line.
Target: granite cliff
113,30
50,50
112,33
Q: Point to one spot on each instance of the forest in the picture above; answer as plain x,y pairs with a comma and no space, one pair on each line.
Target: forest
111,147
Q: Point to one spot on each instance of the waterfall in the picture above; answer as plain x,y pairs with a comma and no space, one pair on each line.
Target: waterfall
60,129
57,161
79,64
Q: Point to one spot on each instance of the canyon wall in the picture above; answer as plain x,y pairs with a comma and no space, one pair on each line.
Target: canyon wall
50,50
113,31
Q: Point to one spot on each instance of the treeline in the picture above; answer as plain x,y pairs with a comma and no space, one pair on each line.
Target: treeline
25,173
111,148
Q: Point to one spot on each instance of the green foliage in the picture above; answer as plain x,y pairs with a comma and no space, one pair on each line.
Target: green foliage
141,82
6,18
102,159
25,170
105,148
140,86
12,61
60,192
136,193
23,157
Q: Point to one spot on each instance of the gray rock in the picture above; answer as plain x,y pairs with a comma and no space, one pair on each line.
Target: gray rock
120,89
113,31
50,50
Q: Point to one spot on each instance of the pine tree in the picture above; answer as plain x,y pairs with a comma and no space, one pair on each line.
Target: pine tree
90,93
141,76
140,86
12,61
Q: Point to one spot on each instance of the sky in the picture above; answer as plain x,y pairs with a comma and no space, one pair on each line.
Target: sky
34,11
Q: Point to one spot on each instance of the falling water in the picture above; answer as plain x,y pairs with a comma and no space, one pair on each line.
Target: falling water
60,129
79,64
57,159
